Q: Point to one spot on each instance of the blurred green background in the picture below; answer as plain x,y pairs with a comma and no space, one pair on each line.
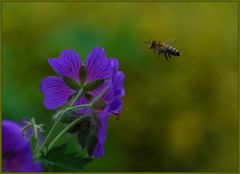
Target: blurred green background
180,115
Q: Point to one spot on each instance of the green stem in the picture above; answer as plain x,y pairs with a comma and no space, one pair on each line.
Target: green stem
59,117
100,94
60,114
76,97
36,147
64,131
79,107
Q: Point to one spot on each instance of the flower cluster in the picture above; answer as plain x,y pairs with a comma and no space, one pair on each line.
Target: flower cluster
97,74
16,150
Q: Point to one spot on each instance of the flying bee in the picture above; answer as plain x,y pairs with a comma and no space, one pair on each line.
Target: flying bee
161,47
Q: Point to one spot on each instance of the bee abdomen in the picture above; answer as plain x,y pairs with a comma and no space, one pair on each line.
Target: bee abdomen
173,51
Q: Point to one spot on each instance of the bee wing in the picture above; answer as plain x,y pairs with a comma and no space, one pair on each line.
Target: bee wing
170,40
147,42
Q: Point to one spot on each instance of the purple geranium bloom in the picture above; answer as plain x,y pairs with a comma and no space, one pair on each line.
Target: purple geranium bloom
16,150
97,67
114,107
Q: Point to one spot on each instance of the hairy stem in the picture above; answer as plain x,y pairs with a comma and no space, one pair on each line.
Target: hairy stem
59,116
80,92
101,94
65,130
79,107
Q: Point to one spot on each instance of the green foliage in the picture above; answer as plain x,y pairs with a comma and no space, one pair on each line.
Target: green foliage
93,85
71,83
82,73
58,159
83,136
91,142
70,116
86,130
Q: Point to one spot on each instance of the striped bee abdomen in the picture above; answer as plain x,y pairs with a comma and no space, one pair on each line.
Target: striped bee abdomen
173,51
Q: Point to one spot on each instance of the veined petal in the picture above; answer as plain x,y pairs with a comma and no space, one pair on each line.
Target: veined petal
82,100
118,84
97,65
68,64
55,91
109,93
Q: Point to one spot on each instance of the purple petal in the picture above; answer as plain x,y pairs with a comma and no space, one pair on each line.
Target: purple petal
115,64
68,64
17,154
20,161
97,64
55,91
81,101
116,106
102,133
11,135
109,93
118,84
98,151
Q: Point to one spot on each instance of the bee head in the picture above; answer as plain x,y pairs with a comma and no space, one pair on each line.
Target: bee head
151,43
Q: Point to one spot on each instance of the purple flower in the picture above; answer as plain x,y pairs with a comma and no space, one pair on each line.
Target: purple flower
16,151
57,91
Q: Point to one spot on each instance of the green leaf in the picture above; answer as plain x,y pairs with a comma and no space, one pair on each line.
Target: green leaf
83,137
82,126
82,73
56,151
71,83
58,158
93,85
71,116
91,142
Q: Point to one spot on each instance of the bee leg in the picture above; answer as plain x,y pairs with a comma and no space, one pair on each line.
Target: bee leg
166,57
169,55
